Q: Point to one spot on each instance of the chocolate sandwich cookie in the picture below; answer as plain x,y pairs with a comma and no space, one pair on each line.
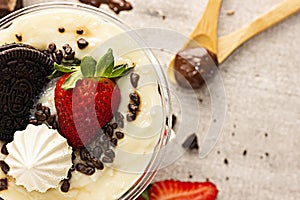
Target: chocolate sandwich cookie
23,74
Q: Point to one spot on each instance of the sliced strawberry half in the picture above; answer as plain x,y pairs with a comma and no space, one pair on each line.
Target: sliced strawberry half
177,190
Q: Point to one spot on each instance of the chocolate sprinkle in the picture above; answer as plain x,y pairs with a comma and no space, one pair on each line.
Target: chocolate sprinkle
4,149
19,37
61,29
65,186
131,117
51,48
82,43
3,184
134,79
79,31
85,169
5,168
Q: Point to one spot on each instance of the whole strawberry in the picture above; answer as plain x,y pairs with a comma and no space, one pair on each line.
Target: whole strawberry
86,97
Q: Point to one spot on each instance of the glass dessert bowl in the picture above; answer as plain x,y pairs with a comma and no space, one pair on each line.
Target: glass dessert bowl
83,112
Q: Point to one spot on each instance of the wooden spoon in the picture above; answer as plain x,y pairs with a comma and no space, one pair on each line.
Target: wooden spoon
227,44
205,33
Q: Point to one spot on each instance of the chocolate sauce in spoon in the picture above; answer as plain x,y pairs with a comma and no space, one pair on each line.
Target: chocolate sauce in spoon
116,5
194,66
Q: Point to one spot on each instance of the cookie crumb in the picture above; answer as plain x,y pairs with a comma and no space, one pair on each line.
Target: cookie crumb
230,12
191,142
225,161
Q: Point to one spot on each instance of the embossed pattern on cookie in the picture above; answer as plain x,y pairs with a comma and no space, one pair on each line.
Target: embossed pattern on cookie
23,74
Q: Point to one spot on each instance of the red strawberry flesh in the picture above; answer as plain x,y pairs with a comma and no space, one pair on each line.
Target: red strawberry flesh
176,190
82,111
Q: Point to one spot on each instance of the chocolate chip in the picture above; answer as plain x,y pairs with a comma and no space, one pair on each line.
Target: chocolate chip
5,168
133,108
39,106
134,96
245,153
97,164
85,154
51,119
191,142
85,169
119,135
105,145
19,37
119,116
58,56
97,151
67,48
51,48
40,116
4,149
120,123
109,153
79,31
55,125
82,43
119,119
3,184
61,29
109,130
134,79
114,142
65,186
70,56
131,117
46,110
114,125
107,159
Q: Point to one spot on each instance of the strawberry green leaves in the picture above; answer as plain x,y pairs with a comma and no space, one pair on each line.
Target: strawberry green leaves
87,66
106,67
72,80
105,64
90,68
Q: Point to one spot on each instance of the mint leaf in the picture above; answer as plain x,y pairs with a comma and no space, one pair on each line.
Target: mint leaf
105,64
71,81
87,66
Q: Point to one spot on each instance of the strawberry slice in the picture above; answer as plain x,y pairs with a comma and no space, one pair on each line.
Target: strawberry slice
177,190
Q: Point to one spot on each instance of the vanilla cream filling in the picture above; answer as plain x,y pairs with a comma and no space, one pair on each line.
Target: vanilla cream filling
134,152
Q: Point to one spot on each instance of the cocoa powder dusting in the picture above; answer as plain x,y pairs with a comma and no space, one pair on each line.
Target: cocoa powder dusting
115,5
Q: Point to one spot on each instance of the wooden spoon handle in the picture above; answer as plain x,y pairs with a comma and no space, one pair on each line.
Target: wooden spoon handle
227,44
205,33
